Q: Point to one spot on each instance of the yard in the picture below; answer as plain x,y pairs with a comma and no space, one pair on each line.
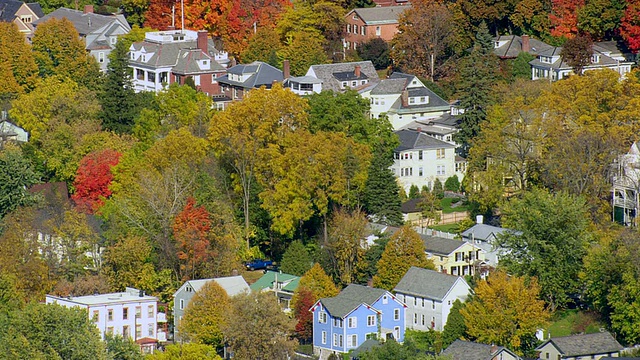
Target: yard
568,322
449,205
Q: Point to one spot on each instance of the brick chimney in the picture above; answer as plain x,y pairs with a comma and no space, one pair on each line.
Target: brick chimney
526,47
88,9
232,62
494,348
286,69
357,71
405,97
203,41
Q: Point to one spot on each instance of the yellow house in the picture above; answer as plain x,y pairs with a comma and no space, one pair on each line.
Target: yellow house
454,257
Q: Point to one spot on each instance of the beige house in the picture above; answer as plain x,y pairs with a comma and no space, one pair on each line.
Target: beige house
580,347
454,257
22,14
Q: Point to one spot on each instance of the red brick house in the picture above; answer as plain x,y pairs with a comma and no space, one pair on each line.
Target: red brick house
368,23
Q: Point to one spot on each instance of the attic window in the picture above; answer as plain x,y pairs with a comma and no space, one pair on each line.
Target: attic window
355,17
205,62
497,44
113,40
144,58
595,58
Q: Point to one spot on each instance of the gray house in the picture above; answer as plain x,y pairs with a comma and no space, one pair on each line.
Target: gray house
577,347
467,350
233,285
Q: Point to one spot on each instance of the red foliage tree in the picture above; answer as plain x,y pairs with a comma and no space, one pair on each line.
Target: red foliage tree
191,229
93,179
630,25
564,17
304,327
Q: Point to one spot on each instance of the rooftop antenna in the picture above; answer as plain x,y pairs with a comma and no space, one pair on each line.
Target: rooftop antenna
182,14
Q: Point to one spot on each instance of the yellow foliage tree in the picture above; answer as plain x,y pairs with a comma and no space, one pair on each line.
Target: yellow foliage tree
204,316
318,282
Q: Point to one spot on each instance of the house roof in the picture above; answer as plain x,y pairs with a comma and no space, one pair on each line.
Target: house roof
350,298
485,232
411,139
513,46
85,23
364,347
181,56
410,206
327,72
233,285
36,8
426,283
8,9
389,87
304,80
439,245
467,350
379,15
129,295
263,74
586,344
289,281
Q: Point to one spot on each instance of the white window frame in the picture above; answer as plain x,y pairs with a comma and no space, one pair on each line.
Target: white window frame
324,337
352,322
396,314
181,304
322,317
371,320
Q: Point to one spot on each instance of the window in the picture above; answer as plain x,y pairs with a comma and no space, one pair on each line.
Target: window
396,332
96,314
354,83
415,319
150,330
355,29
337,322
344,84
423,100
113,40
340,340
181,304
377,30
396,314
419,171
110,315
322,318
150,312
422,319
324,337
352,340
138,312
420,155
385,299
26,18
353,322
440,153
348,28
412,100
335,339
110,330
422,302
373,336
371,320
139,74
101,57
125,331
415,301
138,331
546,355
433,304
151,77
125,313
363,30
440,170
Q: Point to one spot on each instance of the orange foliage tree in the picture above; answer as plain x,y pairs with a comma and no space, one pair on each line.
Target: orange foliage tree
93,179
191,229
564,18
630,25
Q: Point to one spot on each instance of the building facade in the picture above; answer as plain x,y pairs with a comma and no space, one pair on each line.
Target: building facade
364,24
22,14
626,187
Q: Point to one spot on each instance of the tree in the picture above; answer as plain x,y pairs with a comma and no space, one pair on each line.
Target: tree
204,318
347,232
58,50
455,327
93,179
191,231
630,26
17,66
263,46
382,198
520,68
303,49
240,135
296,260
128,263
577,51
532,17
437,190
252,313
404,250
601,19
17,174
452,183
564,18
318,282
430,209
377,51
188,351
414,192
506,311
304,326
551,245
424,32
120,348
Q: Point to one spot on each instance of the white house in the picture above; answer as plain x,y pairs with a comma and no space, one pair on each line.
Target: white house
626,187
429,297
420,159
130,313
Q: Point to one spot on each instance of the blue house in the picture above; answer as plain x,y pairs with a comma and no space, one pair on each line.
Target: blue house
344,322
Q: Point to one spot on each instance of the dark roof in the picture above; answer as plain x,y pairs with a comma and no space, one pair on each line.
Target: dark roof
263,74
325,72
389,86
411,139
181,56
380,15
586,344
364,347
439,245
350,298
467,350
8,9
349,75
410,206
513,46
36,8
426,283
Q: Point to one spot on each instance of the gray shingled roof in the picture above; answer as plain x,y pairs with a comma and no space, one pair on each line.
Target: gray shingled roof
180,56
8,9
187,62
425,283
84,23
485,232
389,86
350,298
263,74
440,246
380,15
587,344
410,139
325,73
467,350
513,47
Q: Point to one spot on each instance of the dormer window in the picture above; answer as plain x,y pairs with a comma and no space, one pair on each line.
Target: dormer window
545,59
595,58
344,84
113,40
133,57
205,62
497,44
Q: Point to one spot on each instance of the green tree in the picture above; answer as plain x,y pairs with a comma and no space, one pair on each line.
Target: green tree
383,193
414,192
506,311
204,318
263,46
252,313
120,348
377,51
372,256
520,68
404,250
553,240
430,209
17,174
296,260
188,351
600,19
452,183
437,190
303,49
455,327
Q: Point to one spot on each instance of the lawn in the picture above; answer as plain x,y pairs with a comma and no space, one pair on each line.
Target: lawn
450,228
568,322
447,207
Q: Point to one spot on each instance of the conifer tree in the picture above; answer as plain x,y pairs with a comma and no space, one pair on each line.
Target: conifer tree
296,259
454,328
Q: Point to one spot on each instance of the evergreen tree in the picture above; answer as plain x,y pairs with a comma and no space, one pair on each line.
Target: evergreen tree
454,328
296,260
414,192
438,191
520,68
382,192
452,183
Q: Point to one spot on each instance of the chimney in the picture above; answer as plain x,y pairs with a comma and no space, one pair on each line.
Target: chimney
479,219
405,97
232,63
286,69
357,71
526,47
171,28
88,9
494,348
203,41
419,129
234,272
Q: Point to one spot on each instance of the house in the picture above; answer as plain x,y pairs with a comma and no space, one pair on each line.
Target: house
12,132
420,159
429,296
510,46
233,285
99,32
404,98
467,350
130,314
242,78
578,347
22,14
342,323
391,2
443,127
339,77
283,285
167,57
455,257
486,237
364,24
626,187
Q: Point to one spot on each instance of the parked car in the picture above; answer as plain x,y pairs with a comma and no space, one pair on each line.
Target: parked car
258,264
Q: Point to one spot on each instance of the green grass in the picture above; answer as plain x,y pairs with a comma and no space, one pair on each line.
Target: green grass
305,349
447,208
450,228
568,322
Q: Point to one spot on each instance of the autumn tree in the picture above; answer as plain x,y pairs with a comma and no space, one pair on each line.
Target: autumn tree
424,31
77,247
564,17
532,17
296,259
263,46
93,178
577,51
303,49
204,318
630,25
187,351
128,263
506,311
240,135
191,231
404,250
249,316
347,232
17,66
304,317
430,209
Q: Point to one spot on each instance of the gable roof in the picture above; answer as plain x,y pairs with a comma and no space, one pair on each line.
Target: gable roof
410,206
8,9
325,72
586,344
440,245
411,139
85,23
233,285
350,298
263,74
389,86
426,283
512,46
266,281
380,15
467,350
485,232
